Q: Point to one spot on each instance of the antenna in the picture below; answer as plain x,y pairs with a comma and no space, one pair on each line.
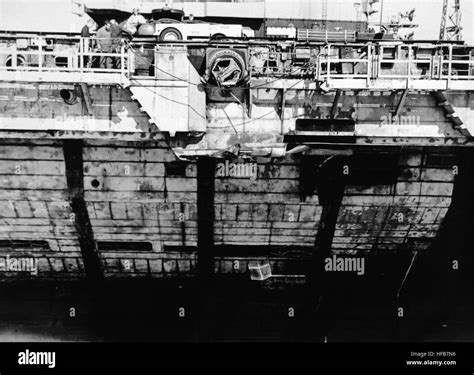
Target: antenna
357,7
324,15
381,14
454,30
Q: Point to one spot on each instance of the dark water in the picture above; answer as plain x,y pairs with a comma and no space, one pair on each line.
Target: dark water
356,309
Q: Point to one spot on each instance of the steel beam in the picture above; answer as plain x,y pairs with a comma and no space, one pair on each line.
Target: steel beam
75,181
335,104
87,98
401,103
317,311
206,167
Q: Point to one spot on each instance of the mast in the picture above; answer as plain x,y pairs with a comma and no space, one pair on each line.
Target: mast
324,15
452,32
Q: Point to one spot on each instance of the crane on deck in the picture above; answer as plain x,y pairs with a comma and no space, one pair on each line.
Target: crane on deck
454,30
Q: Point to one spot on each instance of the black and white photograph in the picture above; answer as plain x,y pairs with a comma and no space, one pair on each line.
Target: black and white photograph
211,180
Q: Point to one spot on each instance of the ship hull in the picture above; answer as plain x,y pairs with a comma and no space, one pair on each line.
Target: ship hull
139,205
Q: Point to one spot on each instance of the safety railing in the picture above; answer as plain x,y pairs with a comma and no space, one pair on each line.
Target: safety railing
266,63
94,57
403,63
336,61
86,55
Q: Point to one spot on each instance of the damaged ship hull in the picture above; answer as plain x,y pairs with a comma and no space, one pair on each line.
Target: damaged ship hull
161,172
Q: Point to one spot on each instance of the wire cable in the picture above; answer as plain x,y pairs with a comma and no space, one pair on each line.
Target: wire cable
306,65
233,126
257,118
171,100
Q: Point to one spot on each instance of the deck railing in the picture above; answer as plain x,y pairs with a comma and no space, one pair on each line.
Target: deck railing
71,58
440,64
87,58
374,63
